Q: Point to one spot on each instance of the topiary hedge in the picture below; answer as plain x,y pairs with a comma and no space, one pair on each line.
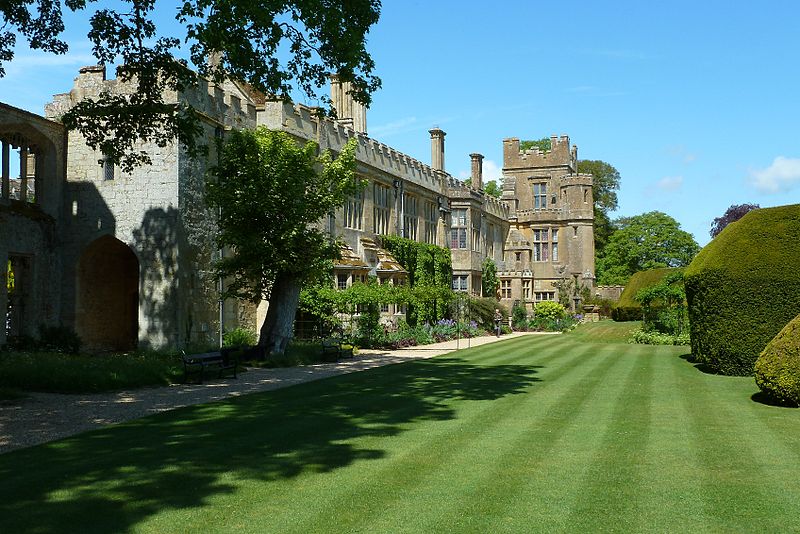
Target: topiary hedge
627,309
777,369
743,287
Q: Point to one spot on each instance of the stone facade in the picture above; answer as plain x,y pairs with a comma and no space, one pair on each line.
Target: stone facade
551,237
124,258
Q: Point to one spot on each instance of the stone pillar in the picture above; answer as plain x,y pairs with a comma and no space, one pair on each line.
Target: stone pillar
23,173
477,171
6,189
437,148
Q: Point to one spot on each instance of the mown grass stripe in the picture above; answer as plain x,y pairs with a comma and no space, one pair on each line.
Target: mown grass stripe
492,472
732,471
481,421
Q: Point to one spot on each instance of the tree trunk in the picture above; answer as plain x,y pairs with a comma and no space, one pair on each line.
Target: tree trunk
276,332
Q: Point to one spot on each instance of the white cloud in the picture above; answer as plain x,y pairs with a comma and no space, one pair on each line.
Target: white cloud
670,183
782,175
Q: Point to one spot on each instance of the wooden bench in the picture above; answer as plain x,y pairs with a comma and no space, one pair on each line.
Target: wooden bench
334,348
222,361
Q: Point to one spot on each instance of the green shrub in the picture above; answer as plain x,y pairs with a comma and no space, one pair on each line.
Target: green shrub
627,309
239,337
519,317
63,373
644,337
549,310
743,287
777,369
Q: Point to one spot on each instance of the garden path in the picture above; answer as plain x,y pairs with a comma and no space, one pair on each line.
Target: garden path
42,417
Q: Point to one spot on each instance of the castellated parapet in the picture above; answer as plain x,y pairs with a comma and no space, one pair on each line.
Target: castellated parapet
560,154
304,123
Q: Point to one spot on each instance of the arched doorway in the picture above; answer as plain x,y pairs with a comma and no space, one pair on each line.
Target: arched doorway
107,314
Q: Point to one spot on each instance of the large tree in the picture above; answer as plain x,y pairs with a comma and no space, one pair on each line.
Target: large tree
271,194
643,242
604,189
276,46
732,214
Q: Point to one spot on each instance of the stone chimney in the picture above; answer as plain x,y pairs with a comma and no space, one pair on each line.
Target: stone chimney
437,148
477,171
348,111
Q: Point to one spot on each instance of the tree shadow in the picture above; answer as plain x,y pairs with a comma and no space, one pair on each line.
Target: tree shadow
111,479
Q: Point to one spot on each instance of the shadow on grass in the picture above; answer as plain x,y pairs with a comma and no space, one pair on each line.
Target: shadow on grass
109,480
763,398
700,365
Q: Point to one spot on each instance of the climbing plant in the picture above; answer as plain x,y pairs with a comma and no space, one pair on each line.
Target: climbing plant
489,281
430,273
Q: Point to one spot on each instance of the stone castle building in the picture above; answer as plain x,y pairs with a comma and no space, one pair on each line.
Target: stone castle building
123,257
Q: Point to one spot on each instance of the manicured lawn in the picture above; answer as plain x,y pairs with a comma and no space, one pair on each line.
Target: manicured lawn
548,433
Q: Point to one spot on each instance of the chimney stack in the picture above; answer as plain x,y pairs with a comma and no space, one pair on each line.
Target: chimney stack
437,148
348,111
477,171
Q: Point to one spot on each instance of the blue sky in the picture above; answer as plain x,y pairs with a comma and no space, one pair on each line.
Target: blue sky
694,102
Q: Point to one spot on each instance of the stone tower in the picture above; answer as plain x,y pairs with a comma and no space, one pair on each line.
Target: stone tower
551,223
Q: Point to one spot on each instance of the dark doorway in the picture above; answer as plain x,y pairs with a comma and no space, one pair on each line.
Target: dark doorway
107,314
18,285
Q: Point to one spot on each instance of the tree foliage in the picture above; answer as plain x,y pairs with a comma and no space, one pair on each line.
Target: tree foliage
544,144
270,193
605,184
490,283
492,189
732,214
275,46
643,242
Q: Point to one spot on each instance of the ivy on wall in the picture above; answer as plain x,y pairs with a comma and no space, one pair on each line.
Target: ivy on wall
430,275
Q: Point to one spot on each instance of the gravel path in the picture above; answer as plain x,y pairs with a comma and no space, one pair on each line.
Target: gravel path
43,417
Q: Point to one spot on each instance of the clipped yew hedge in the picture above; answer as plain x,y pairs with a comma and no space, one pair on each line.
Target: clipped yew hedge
627,309
777,369
744,287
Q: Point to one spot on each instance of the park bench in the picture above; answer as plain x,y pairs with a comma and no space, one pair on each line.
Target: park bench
334,348
219,362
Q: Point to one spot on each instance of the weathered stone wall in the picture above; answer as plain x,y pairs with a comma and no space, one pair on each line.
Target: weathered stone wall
29,231
564,203
157,210
402,175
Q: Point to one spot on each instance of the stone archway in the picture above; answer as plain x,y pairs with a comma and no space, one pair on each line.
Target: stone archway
107,310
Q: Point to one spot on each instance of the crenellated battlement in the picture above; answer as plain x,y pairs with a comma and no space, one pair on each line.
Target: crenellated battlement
303,122
577,180
561,154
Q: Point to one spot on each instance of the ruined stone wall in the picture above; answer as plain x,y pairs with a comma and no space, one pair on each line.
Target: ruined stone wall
29,230
156,210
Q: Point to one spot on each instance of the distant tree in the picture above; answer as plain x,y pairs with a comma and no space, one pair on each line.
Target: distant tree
271,192
643,242
606,181
543,144
275,46
492,189
732,214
